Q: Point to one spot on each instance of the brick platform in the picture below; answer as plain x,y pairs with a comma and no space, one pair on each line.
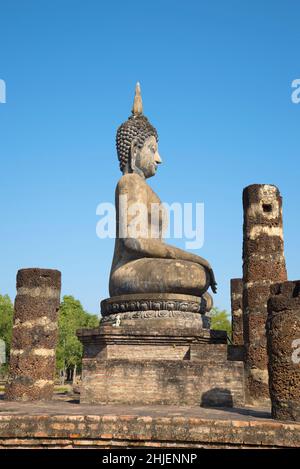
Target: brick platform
69,425
125,366
163,382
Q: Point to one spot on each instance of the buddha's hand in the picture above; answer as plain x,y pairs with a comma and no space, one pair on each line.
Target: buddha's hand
213,283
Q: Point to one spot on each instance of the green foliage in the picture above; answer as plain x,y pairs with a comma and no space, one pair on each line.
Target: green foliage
220,320
71,317
6,321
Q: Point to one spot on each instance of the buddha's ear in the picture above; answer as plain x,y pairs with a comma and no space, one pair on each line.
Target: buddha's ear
133,154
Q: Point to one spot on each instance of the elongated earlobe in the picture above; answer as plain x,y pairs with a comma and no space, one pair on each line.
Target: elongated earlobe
133,156
133,159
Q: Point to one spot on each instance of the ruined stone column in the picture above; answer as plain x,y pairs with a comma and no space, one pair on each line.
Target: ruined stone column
283,339
236,288
32,356
263,264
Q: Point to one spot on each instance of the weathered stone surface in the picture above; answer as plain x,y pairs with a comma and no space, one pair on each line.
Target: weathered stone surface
259,269
163,358
32,356
283,336
39,336
236,287
255,332
263,264
39,278
36,307
156,302
254,293
164,382
162,311
67,425
264,244
37,364
150,343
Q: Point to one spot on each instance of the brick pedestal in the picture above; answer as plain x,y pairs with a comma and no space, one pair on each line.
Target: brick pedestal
32,355
283,337
158,351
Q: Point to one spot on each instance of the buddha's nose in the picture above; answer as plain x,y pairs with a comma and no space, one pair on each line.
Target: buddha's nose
158,159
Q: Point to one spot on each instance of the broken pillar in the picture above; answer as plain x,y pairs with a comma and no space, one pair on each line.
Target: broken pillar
283,339
236,288
263,265
34,339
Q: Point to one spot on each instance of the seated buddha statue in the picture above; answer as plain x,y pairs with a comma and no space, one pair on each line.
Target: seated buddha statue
143,263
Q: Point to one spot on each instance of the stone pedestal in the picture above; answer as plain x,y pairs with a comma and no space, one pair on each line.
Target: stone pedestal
158,349
283,338
34,339
263,264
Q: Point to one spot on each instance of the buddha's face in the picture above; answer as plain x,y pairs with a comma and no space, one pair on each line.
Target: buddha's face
146,159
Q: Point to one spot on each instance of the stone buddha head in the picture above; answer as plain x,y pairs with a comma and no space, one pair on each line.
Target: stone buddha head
137,142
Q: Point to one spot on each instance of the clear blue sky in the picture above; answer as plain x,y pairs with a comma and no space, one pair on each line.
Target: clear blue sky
216,82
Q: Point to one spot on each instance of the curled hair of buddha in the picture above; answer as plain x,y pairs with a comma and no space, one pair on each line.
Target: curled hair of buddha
137,128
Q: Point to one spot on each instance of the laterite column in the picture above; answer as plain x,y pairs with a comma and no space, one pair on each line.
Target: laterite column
263,265
34,340
236,288
283,338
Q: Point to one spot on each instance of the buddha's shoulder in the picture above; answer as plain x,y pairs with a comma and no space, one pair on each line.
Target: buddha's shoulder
131,181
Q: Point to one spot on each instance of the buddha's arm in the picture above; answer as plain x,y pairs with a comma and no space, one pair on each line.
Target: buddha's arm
151,247
155,248
135,191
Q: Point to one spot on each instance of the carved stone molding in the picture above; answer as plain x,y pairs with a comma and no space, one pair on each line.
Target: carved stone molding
155,306
153,315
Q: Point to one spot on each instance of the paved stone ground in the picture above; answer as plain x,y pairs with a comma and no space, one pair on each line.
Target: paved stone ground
66,424
63,405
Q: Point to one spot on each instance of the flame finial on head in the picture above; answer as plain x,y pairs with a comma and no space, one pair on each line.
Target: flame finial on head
137,108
